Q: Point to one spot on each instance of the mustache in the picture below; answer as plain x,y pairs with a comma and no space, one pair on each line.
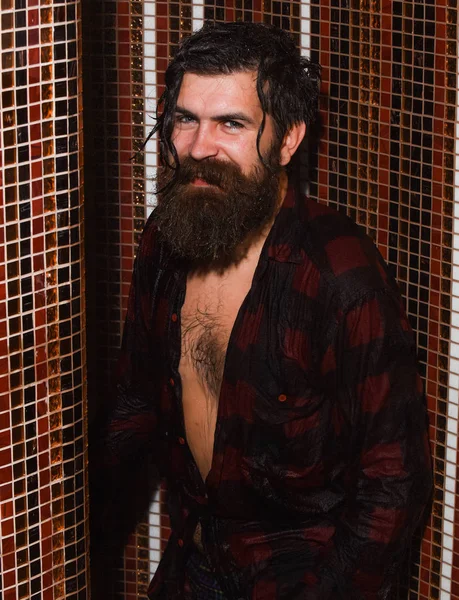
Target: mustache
225,175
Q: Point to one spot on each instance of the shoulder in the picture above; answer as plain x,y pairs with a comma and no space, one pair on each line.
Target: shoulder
148,243
345,258
150,256
152,252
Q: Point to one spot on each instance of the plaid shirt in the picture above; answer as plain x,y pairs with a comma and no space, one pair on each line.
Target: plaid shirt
321,467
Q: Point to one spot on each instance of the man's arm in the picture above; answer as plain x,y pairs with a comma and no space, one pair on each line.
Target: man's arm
374,364
121,444
132,411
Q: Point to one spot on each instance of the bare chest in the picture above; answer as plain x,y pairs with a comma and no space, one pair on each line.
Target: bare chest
208,316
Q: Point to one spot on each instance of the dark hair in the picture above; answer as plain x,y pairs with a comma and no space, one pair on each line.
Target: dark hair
287,83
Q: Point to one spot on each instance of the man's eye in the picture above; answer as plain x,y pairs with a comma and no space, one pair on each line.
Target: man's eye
233,125
183,119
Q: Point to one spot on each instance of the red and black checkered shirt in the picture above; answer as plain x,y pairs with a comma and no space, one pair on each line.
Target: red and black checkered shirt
321,467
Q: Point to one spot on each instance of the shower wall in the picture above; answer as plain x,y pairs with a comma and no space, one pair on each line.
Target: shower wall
43,449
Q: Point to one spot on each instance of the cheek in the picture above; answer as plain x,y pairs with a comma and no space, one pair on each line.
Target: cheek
242,152
183,138
178,139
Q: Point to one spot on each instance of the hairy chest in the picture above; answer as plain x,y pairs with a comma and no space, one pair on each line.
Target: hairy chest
208,317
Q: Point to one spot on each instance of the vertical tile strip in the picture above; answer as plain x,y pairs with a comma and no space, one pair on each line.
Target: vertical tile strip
127,92
162,60
103,96
151,163
102,99
151,100
305,14
198,14
449,583
43,501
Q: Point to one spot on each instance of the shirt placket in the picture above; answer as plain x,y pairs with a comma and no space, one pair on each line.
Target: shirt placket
197,489
174,349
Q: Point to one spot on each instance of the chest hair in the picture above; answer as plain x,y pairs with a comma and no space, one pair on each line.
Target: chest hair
204,344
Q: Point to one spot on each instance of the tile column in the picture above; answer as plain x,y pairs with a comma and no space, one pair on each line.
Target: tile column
43,492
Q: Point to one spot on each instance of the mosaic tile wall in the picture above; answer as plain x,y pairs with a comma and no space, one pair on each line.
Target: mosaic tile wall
387,157
116,76
43,446
390,83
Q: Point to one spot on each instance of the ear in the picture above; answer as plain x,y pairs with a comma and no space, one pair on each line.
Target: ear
292,139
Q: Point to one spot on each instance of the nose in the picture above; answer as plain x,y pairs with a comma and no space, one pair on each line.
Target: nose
204,144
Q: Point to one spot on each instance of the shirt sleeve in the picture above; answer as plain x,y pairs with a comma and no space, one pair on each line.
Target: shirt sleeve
133,415
377,382
122,443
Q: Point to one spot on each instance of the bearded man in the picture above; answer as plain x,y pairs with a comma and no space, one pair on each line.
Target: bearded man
267,363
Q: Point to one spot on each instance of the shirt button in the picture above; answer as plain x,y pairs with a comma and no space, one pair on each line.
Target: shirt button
282,397
181,441
174,317
180,542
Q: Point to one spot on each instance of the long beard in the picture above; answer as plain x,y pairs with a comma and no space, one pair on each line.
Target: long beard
208,225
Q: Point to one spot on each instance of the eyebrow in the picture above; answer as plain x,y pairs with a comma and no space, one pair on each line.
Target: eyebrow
218,118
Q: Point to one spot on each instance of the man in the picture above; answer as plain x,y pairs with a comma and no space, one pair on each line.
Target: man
267,362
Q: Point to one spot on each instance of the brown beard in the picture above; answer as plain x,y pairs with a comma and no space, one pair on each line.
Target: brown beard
209,225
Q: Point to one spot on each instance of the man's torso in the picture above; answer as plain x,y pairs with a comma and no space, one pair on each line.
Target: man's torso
283,429
211,305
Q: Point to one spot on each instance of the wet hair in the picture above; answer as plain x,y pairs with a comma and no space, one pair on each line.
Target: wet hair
287,83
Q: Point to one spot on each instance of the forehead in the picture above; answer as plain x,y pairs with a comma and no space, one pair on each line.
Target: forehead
227,93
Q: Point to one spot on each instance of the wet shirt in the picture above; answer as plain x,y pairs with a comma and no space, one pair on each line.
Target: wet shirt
321,466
